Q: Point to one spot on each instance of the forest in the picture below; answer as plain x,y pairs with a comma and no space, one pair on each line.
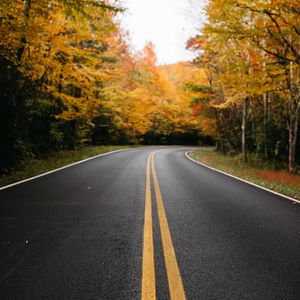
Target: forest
251,56
69,79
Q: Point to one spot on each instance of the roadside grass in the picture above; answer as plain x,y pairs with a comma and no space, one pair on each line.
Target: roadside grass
255,171
34,167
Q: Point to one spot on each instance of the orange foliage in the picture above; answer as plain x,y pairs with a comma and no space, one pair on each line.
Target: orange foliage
280,177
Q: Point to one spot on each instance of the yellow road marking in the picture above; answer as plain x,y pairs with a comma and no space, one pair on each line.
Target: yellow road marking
173,273
148,275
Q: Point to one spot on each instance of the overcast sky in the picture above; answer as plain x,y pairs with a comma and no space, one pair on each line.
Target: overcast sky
167,23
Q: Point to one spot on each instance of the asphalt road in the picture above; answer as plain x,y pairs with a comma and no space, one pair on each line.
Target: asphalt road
85,233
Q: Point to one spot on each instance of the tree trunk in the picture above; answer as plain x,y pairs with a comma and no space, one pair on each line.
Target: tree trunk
218,121
244,123
293,130
220,130
265,100
223,132
23,40
293,110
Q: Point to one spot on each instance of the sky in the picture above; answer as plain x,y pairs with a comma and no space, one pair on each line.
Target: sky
166,23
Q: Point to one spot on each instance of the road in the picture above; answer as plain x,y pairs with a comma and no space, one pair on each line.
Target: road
147,223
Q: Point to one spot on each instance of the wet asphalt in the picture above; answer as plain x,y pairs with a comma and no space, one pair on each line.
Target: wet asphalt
78,233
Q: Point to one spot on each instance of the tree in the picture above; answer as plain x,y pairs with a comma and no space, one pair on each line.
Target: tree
250,49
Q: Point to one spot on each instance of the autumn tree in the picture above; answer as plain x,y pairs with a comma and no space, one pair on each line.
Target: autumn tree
70,79
251,52
52,56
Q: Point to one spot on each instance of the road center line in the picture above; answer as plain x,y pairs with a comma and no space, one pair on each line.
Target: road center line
173,273
148,275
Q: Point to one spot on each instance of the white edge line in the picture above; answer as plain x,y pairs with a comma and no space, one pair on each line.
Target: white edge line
61,168
240,179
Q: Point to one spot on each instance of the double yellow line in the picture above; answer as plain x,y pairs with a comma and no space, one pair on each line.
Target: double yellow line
148,278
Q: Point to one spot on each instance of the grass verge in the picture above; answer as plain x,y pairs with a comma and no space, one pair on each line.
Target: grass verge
55,160
256,172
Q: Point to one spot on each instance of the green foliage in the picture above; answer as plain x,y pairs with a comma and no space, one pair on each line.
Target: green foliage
197,88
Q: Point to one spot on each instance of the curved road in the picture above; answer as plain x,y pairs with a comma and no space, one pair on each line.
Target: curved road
131,225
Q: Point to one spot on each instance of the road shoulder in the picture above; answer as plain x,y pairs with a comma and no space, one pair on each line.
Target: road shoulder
187,154
60,168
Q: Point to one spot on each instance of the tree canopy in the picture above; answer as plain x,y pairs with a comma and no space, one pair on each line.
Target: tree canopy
250,53
69,79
